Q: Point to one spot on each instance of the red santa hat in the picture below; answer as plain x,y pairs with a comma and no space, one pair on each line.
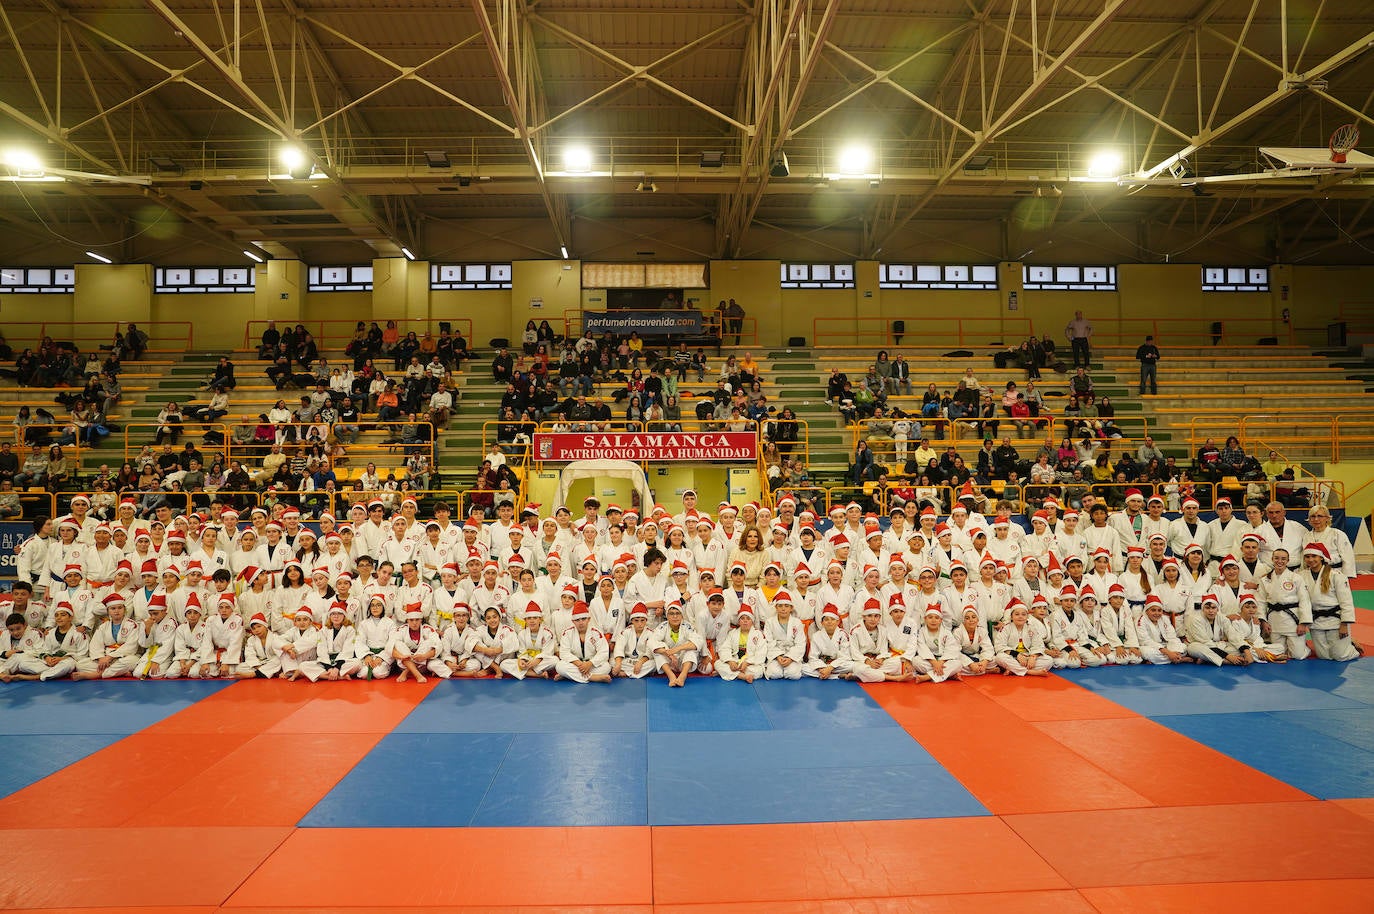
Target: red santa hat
782,596
112,600
258,619
1086,592
581,611
638,611
1116,590
895,600
872,607
1318,550
1228,560
830,609
414,611
305,613
71,569
934,609
1154,600
532,609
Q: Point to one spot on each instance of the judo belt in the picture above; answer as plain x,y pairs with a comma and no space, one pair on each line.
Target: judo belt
95,585
1330,612
1136,604
1290,609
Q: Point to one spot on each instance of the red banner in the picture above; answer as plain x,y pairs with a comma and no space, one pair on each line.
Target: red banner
659,446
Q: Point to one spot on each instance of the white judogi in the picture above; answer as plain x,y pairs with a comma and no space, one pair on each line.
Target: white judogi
1286,605
1208,640
1331,610
189,644
630,647
1155,637
753,652
941,645
1013,641
865,645
156,644
263,655
685,634
785,640
540,646
372,640
574,648
829,651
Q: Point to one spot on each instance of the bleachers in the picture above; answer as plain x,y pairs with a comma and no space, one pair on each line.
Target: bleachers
1214,381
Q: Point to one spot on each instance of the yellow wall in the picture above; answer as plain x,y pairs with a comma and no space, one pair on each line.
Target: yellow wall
1313,294
1353,474
21,316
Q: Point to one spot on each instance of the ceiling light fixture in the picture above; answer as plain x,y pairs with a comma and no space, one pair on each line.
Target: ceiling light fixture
854,160
251,256
577,160
100,257
406,251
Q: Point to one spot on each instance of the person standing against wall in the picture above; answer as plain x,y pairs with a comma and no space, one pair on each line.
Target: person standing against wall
735,316
1148,357
1079,332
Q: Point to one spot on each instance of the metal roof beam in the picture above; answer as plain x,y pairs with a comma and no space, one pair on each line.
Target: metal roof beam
515,48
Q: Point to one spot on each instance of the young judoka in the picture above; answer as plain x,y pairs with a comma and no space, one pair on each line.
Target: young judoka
190,643
300,651
786,640
713,624
414,645
938,656
1159,643
829,657
63,645
495,642
1099,631
456,656
372,660
1020,646
1079,643
261,650
156,641
536,647
868,648
744,651
1209,640
1247,634
976,645
19,648
113,649
338,642
584,655
677,650
634,646
1333,608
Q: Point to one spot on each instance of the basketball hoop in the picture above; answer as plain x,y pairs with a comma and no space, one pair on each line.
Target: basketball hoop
1342,141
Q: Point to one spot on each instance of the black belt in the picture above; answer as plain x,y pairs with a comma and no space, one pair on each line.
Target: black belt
1328,613
1288,608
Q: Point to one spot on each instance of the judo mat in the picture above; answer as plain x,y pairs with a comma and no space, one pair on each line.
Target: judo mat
1171,789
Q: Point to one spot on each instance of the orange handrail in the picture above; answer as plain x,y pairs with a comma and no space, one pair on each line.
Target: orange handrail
1182,331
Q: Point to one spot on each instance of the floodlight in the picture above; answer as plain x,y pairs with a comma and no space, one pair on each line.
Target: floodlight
854,159
577,159
1105,163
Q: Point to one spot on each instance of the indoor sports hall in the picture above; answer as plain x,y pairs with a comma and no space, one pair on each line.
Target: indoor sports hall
690,456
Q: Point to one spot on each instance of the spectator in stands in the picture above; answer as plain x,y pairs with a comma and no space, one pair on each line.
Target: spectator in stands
35,469
882,370
901,375
169,423
1208,460
1082,386
440,406
136,340
1148,356
834,385
502,366
1148,452
1275,465
59,468
1079,334
9,461
1231,459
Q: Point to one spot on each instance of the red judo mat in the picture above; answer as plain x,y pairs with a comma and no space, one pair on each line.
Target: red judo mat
1094,808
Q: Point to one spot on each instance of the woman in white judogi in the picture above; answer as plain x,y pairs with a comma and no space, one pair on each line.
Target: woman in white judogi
372,660
829,656
744,650
113,648
677,650
1209,640
582,650
786,640
536,649
261,651
337,642
633,656
1333,608
1287,607
868,648
1159,643
975,644
1020,646
298,654
938,655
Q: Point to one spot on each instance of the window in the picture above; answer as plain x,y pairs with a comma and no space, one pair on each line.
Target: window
445,276
340,279
37,279
1235,279
818,276
203,279
1070,279
936,276
645,276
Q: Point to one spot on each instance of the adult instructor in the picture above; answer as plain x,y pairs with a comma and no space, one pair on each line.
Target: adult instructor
1079,332
1148,357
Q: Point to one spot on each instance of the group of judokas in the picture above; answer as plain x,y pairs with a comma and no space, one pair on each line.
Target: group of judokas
922,599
